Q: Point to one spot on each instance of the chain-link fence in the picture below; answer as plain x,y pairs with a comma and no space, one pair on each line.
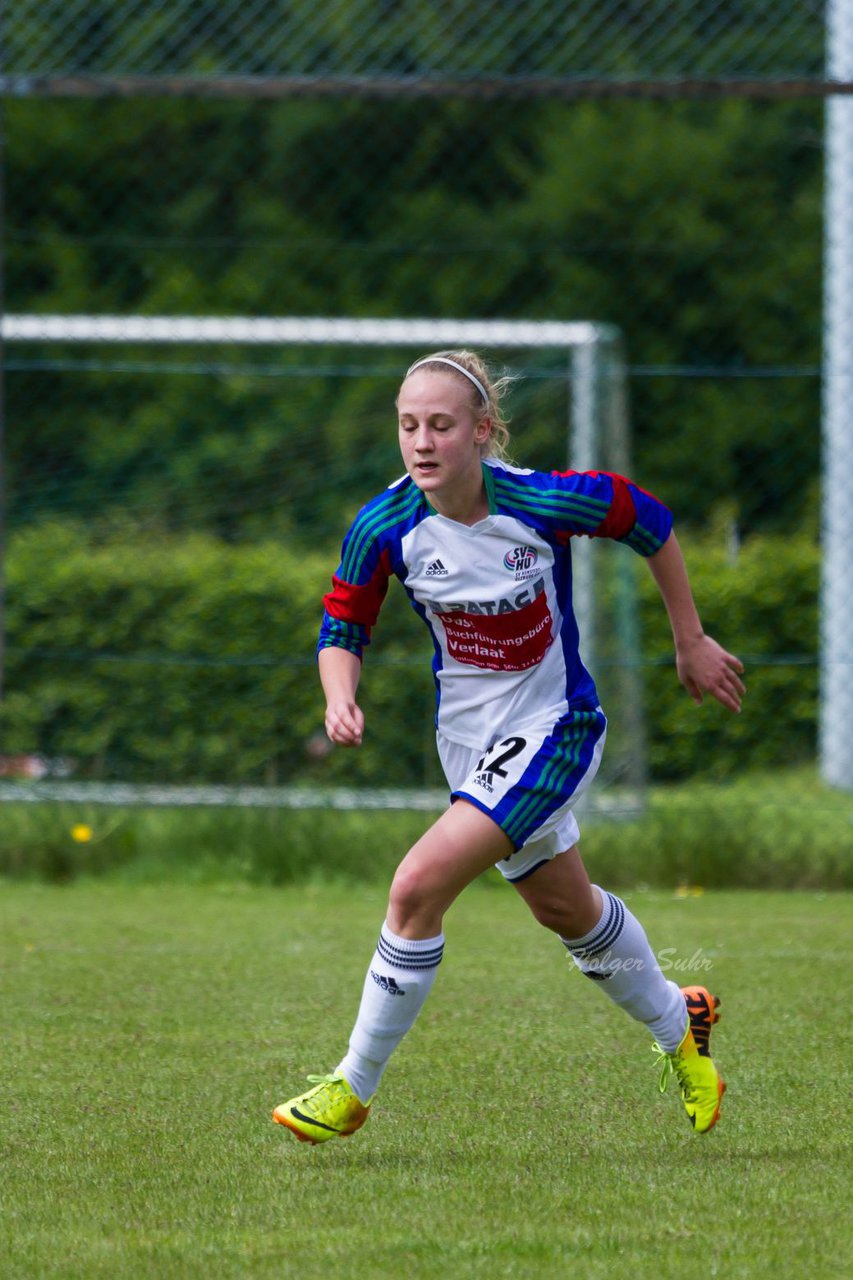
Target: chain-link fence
174,510
492,45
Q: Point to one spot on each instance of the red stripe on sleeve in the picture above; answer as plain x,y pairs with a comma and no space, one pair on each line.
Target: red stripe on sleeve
622,515
351,602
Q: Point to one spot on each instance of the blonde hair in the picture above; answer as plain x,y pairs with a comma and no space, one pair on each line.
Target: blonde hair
473,370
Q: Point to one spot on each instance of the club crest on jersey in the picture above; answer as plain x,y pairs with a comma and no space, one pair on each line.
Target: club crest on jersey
522,562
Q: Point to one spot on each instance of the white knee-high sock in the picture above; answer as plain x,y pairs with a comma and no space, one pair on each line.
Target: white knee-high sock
617,955
399,979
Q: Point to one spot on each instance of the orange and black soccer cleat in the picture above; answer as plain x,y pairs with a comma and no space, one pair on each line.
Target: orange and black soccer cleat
699,1081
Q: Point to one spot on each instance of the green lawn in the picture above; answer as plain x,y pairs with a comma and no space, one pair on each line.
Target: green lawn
765,830
149,1031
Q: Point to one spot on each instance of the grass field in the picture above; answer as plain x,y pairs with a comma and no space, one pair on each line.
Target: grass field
149,1031
782,830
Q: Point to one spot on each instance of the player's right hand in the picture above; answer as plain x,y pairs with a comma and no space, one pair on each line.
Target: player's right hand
345,723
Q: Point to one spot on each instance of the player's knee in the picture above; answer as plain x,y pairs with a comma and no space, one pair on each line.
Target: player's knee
567,919
551,916
410,898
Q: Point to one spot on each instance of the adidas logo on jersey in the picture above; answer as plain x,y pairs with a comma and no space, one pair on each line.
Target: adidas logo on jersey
435,569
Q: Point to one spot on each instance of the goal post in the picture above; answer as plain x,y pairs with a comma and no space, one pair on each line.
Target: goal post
594,435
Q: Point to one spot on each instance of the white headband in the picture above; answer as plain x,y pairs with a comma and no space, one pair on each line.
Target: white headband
460,368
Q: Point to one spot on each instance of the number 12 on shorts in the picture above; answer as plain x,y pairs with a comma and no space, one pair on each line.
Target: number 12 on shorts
499,755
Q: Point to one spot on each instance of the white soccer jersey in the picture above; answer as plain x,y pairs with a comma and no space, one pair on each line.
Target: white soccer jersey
496,595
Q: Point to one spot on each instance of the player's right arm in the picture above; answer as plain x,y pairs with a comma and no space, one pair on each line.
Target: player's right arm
350,611
340,671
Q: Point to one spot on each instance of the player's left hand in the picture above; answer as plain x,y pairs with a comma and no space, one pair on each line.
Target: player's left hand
705,667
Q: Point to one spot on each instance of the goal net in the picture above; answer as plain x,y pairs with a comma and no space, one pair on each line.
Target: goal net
568,408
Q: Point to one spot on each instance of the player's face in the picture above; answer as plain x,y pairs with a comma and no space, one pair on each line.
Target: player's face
441,432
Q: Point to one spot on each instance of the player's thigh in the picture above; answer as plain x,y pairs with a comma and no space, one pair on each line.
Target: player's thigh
462,844
528,783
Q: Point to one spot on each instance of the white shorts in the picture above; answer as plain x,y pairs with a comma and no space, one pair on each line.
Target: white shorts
528,783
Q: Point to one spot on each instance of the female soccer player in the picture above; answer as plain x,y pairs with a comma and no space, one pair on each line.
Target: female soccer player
483,550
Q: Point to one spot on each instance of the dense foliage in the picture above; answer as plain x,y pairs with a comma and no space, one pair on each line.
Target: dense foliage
695,227
188,660
175,513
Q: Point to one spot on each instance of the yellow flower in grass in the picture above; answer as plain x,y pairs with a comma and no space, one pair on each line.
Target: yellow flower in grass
689,891
81,833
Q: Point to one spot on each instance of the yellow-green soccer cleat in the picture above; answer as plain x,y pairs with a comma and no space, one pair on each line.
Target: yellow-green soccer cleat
699,1081
329,1110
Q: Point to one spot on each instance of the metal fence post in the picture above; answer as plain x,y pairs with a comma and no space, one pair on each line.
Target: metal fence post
836,698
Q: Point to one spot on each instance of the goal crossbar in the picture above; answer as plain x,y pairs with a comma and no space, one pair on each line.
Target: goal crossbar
297,330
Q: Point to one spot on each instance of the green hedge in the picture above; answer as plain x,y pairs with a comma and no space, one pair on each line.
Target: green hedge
181,660
194,660
761,604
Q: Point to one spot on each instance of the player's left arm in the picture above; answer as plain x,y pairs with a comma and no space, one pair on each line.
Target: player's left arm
703,666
